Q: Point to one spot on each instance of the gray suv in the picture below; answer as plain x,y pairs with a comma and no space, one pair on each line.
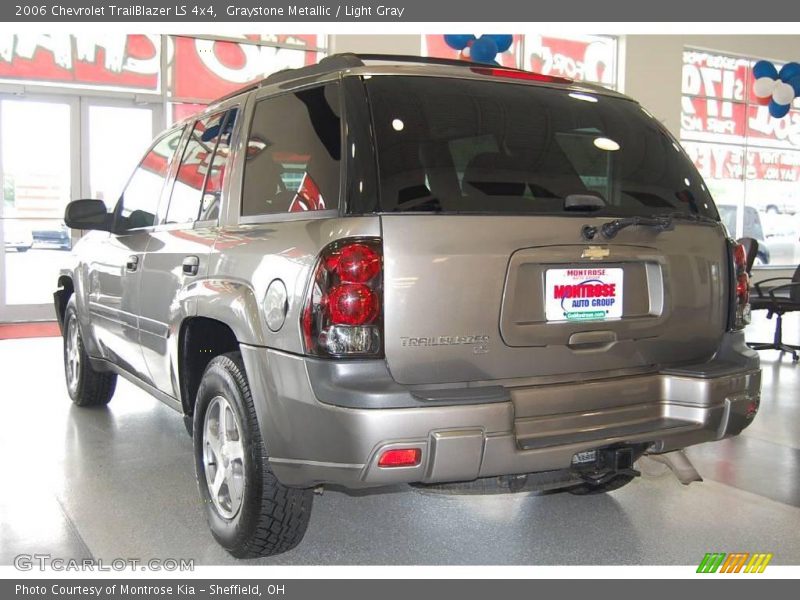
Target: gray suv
381,270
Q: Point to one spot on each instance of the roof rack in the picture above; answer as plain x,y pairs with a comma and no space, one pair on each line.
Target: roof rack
348,60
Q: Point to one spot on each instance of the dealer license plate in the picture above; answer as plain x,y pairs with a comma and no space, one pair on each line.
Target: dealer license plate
583,294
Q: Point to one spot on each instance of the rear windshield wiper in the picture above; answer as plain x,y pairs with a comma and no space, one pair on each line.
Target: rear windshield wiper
612,228
685,216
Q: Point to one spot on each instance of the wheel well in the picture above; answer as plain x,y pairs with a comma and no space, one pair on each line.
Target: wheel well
201,340
62,296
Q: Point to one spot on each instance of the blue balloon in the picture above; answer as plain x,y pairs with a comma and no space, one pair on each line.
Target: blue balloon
789,71
483,50
778,110
458,41
795,83
502,40
764,68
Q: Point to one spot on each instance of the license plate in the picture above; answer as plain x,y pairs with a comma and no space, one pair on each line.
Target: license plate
588,456
583,294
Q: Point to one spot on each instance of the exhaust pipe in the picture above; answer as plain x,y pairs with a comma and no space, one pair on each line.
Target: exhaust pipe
679,464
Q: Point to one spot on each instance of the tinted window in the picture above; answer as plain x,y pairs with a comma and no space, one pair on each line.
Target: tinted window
198,183
293,153
460,145
139,201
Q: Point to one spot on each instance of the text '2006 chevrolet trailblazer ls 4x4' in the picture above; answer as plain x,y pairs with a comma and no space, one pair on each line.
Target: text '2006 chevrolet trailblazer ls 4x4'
386,269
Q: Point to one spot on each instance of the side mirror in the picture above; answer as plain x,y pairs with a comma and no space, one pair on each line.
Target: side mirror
88,214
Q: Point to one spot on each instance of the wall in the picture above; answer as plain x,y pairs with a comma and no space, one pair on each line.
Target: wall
376,44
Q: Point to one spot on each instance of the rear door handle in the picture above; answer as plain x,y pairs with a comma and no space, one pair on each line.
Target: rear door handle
191,265
132,264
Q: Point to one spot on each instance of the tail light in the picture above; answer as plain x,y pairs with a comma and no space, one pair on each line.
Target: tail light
740,315
400,457
343,314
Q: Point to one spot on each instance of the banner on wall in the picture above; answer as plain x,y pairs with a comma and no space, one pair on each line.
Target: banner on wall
199,69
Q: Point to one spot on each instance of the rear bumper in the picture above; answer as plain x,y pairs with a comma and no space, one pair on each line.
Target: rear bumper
499,431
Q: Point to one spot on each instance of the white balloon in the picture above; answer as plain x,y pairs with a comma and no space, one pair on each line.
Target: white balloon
764,86
783,93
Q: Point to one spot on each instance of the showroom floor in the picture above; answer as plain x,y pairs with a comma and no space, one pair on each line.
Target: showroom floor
119,483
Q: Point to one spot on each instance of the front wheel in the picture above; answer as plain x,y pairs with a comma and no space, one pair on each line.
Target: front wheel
249,511
86,387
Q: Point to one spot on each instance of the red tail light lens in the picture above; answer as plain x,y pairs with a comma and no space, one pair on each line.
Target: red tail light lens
741,281
400,457
342,316
352,304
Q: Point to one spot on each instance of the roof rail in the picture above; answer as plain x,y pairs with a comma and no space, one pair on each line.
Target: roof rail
347,60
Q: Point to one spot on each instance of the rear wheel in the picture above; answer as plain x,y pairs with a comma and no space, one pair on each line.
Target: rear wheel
249,511
589,489
86,387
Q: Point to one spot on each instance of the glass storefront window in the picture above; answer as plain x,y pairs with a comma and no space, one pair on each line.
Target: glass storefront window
590,58
203,69
750,161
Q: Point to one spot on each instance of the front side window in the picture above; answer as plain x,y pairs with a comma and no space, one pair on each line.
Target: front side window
198,183
293,153
139,201
493,147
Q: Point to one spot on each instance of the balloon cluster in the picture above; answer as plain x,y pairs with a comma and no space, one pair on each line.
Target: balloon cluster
481,49
775,88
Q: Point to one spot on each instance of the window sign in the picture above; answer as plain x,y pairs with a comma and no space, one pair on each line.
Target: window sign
581,58
110,61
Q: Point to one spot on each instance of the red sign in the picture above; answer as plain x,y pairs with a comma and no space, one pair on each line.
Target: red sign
205,69
592,59
711,120
434,45
715,75
119,61
720,161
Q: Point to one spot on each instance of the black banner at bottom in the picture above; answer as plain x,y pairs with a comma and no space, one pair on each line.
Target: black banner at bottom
383,589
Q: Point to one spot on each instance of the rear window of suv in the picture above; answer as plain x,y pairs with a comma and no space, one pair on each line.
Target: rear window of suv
472,146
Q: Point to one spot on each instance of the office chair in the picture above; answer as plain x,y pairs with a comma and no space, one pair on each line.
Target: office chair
777,300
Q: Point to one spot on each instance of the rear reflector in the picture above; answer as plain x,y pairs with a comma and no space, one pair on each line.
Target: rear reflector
400,457
515,74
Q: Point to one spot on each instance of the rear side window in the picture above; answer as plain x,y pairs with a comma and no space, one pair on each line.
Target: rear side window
198,183
139,201
472,146
293,153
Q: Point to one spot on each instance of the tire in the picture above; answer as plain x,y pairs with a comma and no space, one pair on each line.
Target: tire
589,489
23,248
86,387
255,515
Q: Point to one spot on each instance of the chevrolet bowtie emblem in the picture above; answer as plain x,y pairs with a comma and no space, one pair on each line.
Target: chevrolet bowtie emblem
595,252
